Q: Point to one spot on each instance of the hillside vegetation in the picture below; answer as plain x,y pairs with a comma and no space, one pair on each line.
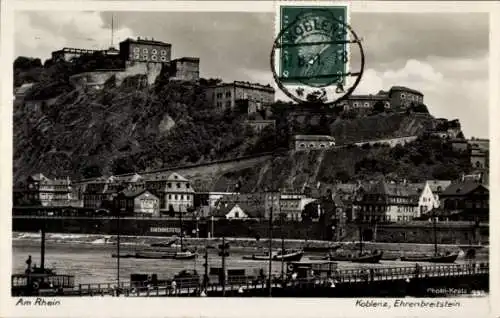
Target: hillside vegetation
136,127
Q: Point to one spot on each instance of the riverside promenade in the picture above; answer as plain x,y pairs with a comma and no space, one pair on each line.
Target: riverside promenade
426,281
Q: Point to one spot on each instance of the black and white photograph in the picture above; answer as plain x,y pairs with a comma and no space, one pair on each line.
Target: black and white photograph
162,153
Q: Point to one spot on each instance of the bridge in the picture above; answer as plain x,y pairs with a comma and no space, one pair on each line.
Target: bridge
386,281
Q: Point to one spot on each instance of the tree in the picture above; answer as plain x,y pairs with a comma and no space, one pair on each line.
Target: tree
342,176
310,211
171,211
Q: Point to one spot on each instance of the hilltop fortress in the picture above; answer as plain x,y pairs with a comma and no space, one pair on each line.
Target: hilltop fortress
140,57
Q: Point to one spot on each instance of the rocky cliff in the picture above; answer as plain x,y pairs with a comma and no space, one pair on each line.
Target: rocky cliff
134,127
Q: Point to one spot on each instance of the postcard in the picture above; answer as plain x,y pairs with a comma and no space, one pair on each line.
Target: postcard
249,158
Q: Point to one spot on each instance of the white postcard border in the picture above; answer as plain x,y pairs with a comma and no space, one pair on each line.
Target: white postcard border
233,307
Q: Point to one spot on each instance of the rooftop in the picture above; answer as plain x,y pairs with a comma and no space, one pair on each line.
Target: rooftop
402,88
462,188
314,137
187,58
146,41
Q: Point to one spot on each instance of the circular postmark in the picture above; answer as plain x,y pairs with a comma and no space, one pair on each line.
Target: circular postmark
310,58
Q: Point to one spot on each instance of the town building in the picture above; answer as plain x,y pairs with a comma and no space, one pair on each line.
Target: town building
67,54
175,193
397,98
136,202
479,158
312,142
459,144
96,193
388,202
479,143
264,203
243,96
349,193
185,69
465,201
144,50
437,187
41,190
366,102
401,97
426,198
236,211
292,205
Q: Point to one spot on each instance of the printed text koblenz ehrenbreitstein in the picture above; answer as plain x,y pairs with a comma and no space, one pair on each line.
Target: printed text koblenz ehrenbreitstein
399,303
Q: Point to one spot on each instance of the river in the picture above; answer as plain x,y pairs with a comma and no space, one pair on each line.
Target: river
94,264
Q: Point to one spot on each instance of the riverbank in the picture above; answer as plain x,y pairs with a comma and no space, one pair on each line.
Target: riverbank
240,244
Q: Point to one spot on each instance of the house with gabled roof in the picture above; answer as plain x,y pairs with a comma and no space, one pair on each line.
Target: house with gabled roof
137,202
236,211
389,202
429,192
465,201
174,191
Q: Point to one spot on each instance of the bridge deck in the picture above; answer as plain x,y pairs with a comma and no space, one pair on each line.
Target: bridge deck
337,277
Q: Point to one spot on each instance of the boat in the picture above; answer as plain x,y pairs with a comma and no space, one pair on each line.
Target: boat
371,258
261,256
38,281
288,255
178,255
437,257
448,258
317,249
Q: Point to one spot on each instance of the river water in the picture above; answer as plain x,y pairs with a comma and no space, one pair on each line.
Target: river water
94,264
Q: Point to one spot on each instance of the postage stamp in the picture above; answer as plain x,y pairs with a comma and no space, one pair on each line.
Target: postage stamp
314,48
311,56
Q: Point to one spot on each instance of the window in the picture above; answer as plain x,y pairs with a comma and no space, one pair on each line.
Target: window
187,185
145,51
144,56
182,196
163,59
367,104
169,185
236,214
137,56
228,94
176,197
163,52
322,146
403,96
170,197
154,51
178,185
302,146
355,104
311,146
137,50
154,57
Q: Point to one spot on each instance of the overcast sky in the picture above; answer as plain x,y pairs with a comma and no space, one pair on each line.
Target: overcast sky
443,55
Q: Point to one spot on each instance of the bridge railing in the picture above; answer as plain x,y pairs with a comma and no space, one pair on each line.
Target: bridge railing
235,283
